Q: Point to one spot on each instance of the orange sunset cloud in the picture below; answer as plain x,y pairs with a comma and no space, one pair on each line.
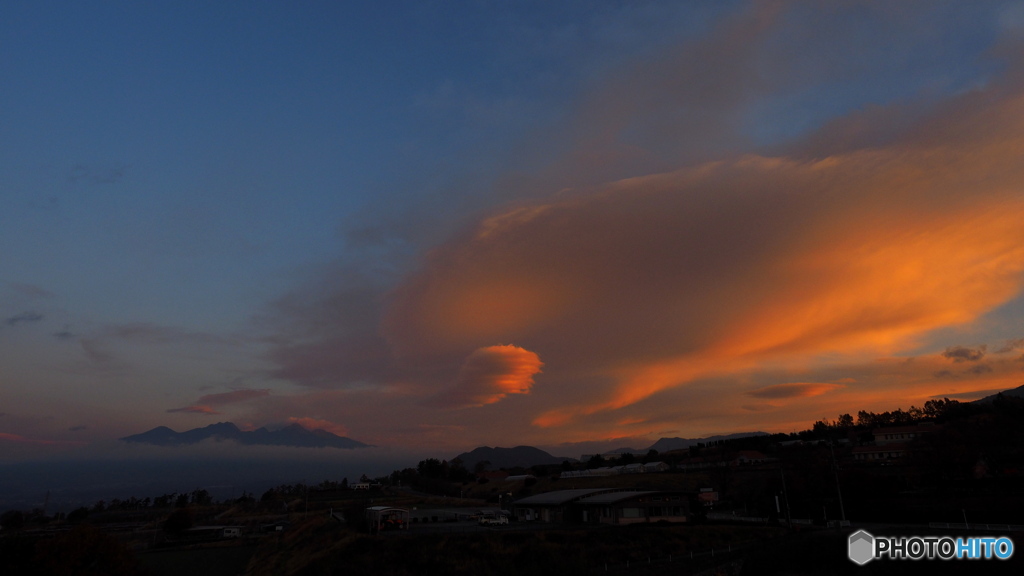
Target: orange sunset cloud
756,262
492,373
793,390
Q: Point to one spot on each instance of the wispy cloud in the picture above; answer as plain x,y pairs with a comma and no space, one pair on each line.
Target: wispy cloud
330,340
23,318
94,352
148,332
31,290
198,409
964,354
206,404
222,398
979,369
80,173
794,390
1010,346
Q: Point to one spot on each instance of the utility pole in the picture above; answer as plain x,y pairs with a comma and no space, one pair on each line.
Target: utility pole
785,495
835,469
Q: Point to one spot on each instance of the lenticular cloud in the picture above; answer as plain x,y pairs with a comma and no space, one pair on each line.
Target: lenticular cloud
490,374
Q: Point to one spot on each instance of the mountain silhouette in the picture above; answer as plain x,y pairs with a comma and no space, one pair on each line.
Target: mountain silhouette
520,456
1018,392
292,435
666,444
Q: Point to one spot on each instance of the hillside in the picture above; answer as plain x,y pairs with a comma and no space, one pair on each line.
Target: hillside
666,444
520,456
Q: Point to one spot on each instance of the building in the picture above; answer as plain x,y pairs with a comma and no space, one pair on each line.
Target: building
551,506
901,434
633,507
604,471
893,442
886,451
603,506
634,468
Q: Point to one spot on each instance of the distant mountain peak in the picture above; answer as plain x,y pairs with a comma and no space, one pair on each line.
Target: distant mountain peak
519,456
294,435
666,444
221,427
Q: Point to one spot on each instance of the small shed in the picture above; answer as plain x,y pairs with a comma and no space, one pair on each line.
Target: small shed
387,518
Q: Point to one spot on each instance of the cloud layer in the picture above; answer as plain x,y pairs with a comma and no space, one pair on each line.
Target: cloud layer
658,280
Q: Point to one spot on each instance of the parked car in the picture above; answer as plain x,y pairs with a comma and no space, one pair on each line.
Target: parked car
498,520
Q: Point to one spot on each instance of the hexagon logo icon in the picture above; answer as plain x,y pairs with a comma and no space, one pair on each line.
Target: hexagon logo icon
861,547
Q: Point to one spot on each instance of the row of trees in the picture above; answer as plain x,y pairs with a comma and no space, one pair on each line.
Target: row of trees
197,497
934,410
599,461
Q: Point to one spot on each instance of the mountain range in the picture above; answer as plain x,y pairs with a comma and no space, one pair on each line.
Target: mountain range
526,456
292,435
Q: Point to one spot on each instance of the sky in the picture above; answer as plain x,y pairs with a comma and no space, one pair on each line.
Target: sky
440,225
